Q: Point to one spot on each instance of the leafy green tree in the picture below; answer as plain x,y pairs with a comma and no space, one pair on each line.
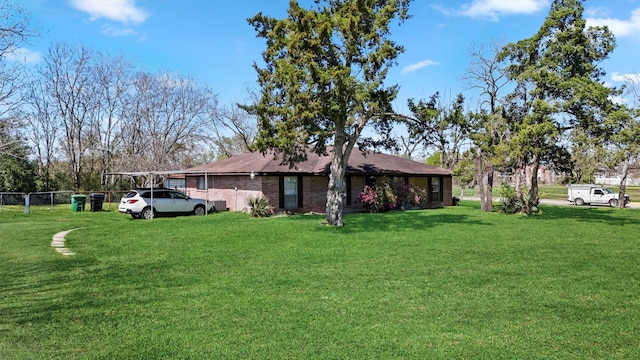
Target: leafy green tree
622,134
465,170
440,126
558,87
434,159
16,171
488,127
323,82
623,144
586,153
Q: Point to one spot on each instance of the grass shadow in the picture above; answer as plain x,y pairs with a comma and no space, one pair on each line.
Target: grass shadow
410,220
35,288
610,216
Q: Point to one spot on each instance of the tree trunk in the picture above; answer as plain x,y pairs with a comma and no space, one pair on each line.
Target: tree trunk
533,200
337,188
623,183
489,188
485,181
480,178
517,187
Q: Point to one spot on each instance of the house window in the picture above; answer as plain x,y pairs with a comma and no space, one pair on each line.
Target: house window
435,190
201,183
290,192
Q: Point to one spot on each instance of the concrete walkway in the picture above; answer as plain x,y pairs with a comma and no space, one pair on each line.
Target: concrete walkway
58,243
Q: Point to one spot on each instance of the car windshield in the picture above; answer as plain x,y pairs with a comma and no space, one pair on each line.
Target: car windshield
608,191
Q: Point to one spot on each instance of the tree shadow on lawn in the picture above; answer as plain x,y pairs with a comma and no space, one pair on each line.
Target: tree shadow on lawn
591,214
411,220
46,293
34,289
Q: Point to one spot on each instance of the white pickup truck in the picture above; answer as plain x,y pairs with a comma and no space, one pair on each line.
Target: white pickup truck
590,194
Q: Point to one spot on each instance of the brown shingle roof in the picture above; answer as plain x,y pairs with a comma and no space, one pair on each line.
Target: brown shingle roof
359,164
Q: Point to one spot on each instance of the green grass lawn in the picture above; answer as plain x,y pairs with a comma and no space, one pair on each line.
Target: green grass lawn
445,283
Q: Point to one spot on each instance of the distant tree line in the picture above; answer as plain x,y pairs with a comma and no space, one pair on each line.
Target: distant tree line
82,115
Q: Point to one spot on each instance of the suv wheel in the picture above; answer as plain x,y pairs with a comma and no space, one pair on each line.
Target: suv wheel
613,203
147,213
199,210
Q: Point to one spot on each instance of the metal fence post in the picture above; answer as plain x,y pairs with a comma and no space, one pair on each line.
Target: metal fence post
26,203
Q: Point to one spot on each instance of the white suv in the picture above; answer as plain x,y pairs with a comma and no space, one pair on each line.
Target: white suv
140,203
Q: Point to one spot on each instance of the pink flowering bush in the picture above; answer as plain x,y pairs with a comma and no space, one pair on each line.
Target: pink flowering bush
408,197
368,197
384,197
373,199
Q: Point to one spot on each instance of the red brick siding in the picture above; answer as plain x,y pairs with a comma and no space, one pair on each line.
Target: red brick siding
357,185
314,191
270,189
423,183
224,188
447,191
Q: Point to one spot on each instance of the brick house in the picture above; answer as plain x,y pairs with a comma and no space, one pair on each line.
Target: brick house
304,188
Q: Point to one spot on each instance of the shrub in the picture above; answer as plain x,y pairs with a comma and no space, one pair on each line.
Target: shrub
379,197
383,197
259,207
511,203
407,196
371,199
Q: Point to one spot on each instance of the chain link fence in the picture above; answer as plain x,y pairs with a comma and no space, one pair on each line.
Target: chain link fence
47,200
11,199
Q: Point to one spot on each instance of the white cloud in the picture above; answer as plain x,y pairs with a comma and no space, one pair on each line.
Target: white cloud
417,66
617,77
444,10
620,28
493,9
597,11
24,55
114,31
122,11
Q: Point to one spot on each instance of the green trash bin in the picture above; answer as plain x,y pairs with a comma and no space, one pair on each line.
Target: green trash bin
77,202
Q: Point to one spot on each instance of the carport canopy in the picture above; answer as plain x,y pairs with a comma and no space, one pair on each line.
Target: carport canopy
166,172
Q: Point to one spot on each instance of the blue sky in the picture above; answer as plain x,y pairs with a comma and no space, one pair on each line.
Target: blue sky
211,40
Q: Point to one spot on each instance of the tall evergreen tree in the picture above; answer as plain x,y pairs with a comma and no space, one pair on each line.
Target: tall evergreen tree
322,82
558,87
